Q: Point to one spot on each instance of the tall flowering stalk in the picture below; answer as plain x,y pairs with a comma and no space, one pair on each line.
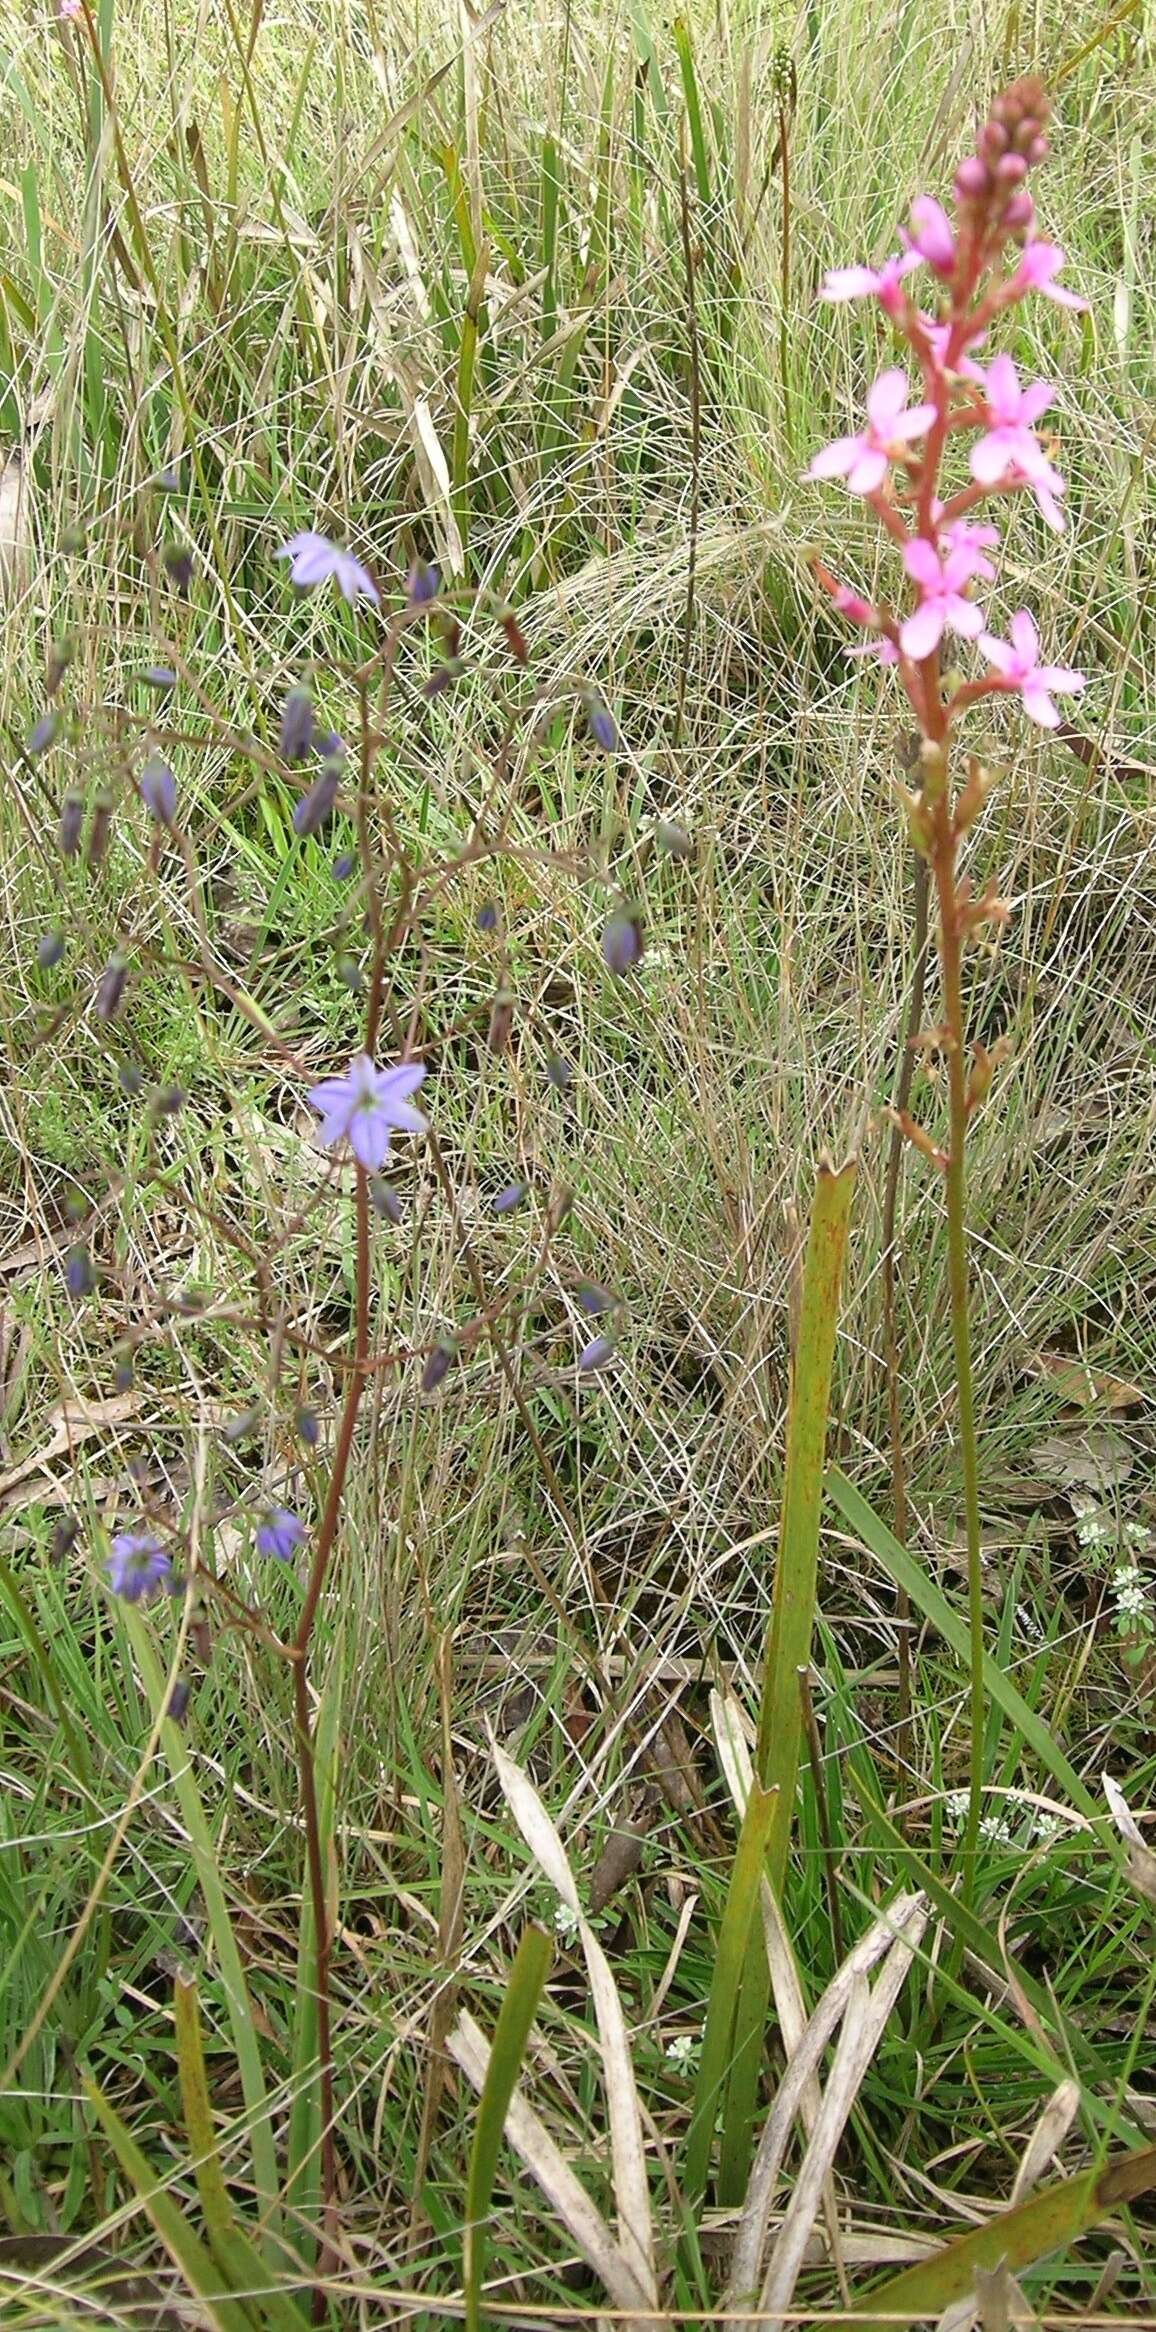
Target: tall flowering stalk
907,464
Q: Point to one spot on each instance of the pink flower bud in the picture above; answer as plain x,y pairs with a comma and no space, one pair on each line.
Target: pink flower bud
1020,214
971,180
1011,169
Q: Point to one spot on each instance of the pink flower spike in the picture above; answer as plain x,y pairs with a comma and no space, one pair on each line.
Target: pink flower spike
1009,453
938,337
882,283
891,425
1017,662
933,239
943,606
1039,264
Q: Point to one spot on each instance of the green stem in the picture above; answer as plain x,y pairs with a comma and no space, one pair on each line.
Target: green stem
950,961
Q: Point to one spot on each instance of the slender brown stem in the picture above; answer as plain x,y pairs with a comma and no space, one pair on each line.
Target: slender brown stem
913,1021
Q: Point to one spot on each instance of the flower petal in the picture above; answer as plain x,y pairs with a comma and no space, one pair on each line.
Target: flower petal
922,632
887,397
998,653
922,564
868,471
1024,637
1038,704
369,1138
964,617
835,460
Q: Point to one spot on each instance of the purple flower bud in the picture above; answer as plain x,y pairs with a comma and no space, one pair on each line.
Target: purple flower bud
178,566
40,738
178,1700
445,676
509,1198
487,917
158,790
241,1427
559,1073
596,1354
100,829
111,987
78,1275
71,825
131,1080
594,1300
50,950
673,839
161,677
307,1427
59,659
438,1365
168,1100
622,942
280,1534
601,724
328,746
384,1201
422,584
501,1021
167,482
64,1538
345,865
316,807
296,735
124,1374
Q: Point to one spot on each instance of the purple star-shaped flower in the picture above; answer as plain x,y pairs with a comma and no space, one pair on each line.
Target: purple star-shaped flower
137,1566
280,1533
368,1104
314,559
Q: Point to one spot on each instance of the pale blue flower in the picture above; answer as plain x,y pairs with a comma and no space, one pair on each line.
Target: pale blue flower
366,1105
314,559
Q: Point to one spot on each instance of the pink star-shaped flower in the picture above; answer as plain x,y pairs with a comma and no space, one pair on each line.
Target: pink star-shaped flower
1017,662
882,283
891,426
1009,451
943,606
1039,265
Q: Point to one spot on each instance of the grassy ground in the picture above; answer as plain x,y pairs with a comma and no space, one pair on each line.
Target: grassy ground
252,257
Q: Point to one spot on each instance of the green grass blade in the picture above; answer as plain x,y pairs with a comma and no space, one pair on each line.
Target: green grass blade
925,1595
236,2257
183,2245
232,1973
701,159
1045,2224
730,1959
519,2007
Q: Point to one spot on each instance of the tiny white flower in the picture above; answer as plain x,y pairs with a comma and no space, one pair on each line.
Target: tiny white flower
683,2051
565,1922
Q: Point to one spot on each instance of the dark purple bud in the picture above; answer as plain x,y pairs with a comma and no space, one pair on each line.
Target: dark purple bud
158,790
178,566
596,1354
71,825
50,950
445,676
594,1300
601,724
241,1427
559,1073
124,1373
349,973
167,1100
345,865
384,1201
59,659
111,987
167,482
40,738
316,807
64,1538
673,839
308,1428
131,1080
296,735
161,677
328,746
100,829
501,1021
422,584
78,1277
438,1365
178,1700
487,917
509,1198
622,942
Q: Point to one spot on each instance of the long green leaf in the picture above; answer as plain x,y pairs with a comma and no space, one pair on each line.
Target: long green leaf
184,2247
1057,2216
523,1992
925,1595
730,1959
240,2263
